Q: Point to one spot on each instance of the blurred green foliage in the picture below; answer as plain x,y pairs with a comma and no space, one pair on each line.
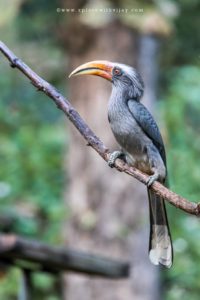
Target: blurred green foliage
33,135
181,111
33,139
32,144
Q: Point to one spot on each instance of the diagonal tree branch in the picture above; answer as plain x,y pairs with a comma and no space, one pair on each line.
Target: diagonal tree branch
91,138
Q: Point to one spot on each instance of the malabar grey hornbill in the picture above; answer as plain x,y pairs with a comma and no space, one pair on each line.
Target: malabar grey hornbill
141,144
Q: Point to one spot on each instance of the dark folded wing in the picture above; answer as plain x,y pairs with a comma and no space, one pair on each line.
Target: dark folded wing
148,125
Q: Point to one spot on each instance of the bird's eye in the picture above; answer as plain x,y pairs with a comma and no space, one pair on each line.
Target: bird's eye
116,71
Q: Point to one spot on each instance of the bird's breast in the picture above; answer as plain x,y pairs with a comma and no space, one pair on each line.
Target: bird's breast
127,131
130,136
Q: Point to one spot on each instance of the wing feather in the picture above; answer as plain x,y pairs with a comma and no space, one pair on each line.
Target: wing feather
148,125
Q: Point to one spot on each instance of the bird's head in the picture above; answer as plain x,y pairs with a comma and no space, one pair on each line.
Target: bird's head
122,76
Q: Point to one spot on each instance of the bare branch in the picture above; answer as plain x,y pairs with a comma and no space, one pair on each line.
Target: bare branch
53,259
92,139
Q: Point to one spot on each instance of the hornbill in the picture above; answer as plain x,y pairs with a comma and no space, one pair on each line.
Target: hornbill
141,144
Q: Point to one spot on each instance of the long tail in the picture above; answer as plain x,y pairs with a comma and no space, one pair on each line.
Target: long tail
160,244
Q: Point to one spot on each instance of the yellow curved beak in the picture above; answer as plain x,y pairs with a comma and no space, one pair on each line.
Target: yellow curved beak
100,68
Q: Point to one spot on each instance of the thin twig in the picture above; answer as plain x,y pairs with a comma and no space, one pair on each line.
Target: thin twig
92,139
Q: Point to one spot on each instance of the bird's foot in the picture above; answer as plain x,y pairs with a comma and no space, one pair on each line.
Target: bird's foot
152,178
113,157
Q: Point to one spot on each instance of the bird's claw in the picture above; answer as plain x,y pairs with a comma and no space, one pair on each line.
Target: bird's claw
113,157
152,178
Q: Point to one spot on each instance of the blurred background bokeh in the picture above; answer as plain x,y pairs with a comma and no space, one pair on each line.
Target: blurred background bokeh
52,187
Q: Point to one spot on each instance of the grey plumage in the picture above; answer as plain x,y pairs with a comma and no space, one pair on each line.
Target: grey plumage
142,146
137,133
160,245
149,126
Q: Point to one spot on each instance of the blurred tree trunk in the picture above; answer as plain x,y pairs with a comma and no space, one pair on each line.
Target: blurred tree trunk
109,210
